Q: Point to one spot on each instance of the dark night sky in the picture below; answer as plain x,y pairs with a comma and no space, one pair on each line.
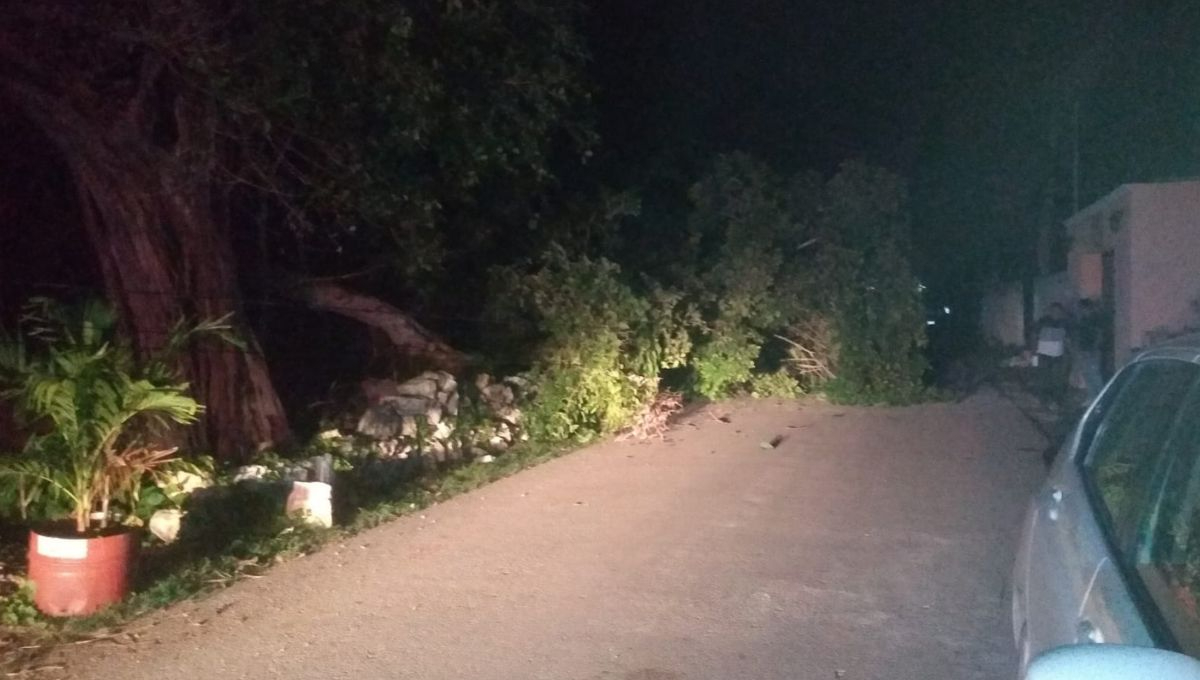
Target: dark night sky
800,84
971,101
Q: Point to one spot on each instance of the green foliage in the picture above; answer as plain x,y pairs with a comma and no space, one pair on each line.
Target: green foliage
762,256
776,384
394,117
599,347
371,129
740,244
823,260
724,362
18,610
167,490
879,330
741,237
867,289
102,415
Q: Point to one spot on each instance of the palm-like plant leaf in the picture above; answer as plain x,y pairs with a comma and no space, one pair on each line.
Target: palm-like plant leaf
100,404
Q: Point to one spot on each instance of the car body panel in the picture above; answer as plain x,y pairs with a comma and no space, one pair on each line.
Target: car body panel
1067,587
1110,611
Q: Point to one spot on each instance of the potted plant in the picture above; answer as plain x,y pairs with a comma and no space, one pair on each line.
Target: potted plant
101,424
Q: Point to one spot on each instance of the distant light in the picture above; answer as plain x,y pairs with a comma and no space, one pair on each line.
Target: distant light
930,322
946,310
921,287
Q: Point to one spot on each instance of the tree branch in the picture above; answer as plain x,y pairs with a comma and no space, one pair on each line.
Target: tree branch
408,336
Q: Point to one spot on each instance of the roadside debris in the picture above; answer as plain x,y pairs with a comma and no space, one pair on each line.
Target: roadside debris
771,443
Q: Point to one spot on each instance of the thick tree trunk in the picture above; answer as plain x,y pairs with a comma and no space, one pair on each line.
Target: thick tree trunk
148,214
409,338
164,261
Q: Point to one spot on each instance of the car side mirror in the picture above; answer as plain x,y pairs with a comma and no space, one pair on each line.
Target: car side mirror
1112,662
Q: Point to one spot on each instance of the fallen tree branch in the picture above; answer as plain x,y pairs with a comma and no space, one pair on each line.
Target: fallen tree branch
406,335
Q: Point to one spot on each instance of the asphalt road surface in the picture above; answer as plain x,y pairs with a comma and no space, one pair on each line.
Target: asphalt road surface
869,544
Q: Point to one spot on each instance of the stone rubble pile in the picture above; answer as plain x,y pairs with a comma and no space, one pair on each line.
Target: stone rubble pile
417,424
433,419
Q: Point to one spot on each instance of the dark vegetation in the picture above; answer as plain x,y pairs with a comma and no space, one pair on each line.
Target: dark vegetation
279,167
370,189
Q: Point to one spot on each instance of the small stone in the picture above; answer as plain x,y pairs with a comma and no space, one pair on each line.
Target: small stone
487,458
509,414
165,524
433,416
294,473
498,396
772,443
443,431
518,383
329,435
497,445
437,450
250,473
504,433
477,452
482,381
375,389
182,481
406,405
424,386
446,382
451,407
408,427
383,420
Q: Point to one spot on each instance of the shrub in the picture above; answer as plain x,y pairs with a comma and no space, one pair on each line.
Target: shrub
740,232
880,331
867,289
106,415
820,264
724,362
599,346
775,384
812,352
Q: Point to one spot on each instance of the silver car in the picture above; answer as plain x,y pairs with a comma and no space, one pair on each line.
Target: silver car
1110,546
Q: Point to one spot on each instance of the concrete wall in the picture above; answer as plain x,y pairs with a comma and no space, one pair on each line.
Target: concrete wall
1165,258
1087,274
1153,232
1103,227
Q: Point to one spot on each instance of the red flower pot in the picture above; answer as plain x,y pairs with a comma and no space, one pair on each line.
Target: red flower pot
77,575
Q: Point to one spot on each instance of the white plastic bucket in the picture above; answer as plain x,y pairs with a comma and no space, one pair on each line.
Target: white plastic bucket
312,502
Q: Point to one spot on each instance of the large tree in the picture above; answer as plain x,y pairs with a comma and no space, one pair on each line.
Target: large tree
342,134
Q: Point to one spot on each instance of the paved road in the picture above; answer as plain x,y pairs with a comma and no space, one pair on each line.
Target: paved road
872,544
